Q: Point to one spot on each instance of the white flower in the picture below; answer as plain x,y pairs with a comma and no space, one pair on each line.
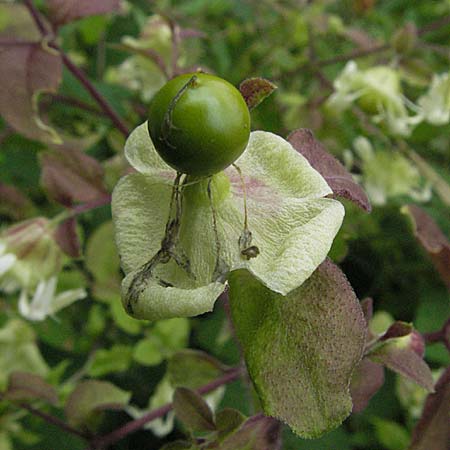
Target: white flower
435,103
44,302
6,260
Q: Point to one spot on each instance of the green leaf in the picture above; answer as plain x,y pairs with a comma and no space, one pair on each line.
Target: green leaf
192,410
227,421
28,386
301,349
90,397
18,351
148,352
193,368
391,435
102,261
116,359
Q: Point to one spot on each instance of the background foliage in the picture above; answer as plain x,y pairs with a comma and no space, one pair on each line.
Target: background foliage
67,104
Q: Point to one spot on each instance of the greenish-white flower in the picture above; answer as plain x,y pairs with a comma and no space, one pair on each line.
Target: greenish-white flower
386,174
292,223
378,91
30,261
435,104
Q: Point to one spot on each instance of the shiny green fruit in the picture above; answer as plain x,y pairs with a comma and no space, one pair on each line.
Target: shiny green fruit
199,123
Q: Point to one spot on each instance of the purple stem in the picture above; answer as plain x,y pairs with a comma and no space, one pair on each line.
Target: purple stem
105,441
78,73
54,421
97,203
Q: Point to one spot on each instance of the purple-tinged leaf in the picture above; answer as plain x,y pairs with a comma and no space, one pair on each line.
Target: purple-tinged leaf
89,398
432,432
255,90
397,329
14,203
367,307
256,433
64,11
336,175
26,70
69,176
301,349
367,379
192,410
23,386
66,236
400,355
432,239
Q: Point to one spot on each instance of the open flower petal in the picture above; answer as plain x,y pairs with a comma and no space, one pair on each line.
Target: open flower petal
291,222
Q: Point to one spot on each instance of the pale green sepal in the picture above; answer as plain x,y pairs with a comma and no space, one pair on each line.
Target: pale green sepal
158,302
140,209
272,166
142,155
294,237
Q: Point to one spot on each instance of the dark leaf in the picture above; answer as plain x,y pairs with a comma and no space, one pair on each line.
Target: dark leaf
301,349
28,386
397,329
26,70
338,178
432,239
66,236
14,203
69,175
192,410
256,433
432,432
367,379
367,307
228,420
64,11
255,90
400,355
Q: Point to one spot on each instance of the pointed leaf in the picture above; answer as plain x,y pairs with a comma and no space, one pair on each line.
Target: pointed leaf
193,368
14,204
192,410
66,235
255,90
336,175
27,70
228,420
71,176
29,386
256,433
367,379
301,349
400,355
432,432
432,239
90,397
64,11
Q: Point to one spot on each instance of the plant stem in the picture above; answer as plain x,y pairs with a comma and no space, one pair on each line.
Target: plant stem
54,421
105,441
78,73
442,335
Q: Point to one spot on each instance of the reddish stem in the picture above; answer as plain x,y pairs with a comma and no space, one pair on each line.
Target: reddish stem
105,441
54,421
78,73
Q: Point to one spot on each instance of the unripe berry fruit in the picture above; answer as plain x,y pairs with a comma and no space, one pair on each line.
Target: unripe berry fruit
199,123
